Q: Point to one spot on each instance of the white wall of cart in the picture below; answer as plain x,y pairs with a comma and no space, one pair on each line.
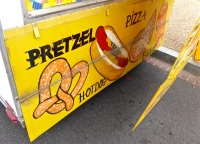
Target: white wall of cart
10,16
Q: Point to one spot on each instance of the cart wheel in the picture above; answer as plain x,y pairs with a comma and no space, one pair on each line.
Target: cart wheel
9,110
11,116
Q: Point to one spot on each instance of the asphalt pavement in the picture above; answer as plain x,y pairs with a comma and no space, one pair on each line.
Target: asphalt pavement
109,116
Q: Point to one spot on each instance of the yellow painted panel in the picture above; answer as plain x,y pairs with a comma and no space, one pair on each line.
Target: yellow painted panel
188,49
73,57
158,95
197,53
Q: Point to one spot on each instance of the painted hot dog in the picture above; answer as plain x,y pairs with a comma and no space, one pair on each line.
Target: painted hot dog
108,53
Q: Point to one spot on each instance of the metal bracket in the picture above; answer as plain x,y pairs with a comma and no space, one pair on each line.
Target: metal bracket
36,31
108,11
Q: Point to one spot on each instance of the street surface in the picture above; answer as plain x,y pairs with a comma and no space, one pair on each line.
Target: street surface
109,116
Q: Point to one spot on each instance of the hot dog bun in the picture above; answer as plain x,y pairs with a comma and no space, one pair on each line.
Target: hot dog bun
108,53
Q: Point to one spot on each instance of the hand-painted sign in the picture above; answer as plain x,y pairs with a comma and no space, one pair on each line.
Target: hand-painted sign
79,54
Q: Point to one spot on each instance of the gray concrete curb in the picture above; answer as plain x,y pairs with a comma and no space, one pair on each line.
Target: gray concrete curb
168,55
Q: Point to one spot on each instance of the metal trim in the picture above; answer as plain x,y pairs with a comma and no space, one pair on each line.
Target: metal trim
23,8
66,7
38,15
42,14
10,76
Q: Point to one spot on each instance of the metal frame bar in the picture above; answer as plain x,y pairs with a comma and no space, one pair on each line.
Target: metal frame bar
10,77
37,15
24,11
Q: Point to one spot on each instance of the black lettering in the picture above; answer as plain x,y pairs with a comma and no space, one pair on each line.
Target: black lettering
82,98
57,49
128,19
91,39
76,37
101,83
138,20
93,86
85,35
97,86
33,55
104,81
144,15
45,51
133,20
66,41
88,91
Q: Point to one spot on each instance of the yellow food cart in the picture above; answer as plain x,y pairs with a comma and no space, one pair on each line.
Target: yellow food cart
57,54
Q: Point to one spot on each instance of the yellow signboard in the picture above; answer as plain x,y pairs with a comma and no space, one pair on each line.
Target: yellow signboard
77,55
159,94
197,53
188,49
185,54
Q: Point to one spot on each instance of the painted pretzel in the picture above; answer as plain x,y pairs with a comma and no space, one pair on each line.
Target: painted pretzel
62,100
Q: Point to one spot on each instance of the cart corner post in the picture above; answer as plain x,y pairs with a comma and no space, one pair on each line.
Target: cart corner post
11,81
